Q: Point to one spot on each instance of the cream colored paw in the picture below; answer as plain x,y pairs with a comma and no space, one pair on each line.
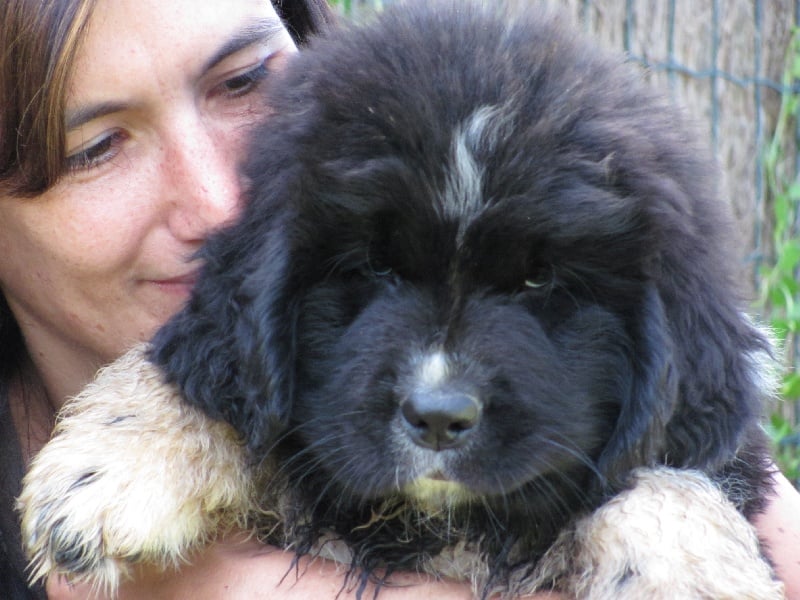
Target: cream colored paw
131,475
674,535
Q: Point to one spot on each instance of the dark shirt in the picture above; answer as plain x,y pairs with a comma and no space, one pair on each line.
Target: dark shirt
13,584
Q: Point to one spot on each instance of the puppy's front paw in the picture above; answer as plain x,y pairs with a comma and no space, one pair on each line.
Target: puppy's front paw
131,475
673,535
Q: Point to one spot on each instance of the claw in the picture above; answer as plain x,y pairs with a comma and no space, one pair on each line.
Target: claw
114,488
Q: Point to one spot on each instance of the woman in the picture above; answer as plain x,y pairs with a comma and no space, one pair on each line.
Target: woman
120,125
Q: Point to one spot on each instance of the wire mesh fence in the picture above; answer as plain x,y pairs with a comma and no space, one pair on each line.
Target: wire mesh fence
724,61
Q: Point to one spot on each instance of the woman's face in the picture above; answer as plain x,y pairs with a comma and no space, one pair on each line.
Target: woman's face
160,102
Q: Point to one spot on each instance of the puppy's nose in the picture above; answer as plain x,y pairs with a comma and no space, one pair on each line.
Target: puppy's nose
440,420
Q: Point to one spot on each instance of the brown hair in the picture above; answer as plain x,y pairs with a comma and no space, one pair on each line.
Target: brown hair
38,42
304,17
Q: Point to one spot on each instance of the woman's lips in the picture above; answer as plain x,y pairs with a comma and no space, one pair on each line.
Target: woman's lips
181,284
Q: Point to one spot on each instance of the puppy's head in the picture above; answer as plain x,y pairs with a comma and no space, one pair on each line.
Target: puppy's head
480,261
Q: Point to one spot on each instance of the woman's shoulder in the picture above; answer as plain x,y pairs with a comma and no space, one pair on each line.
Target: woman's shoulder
12,561
13,583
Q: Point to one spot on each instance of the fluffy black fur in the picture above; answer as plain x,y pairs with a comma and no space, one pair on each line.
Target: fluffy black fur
512,198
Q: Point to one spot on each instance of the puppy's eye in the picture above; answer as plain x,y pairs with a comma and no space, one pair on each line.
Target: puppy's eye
380,270
539,277
384,250
535,284
377,266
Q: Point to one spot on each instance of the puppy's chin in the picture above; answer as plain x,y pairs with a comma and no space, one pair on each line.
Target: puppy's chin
434,495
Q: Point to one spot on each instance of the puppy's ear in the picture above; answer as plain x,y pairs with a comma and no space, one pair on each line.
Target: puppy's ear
702,369
723,364
230,349
639,436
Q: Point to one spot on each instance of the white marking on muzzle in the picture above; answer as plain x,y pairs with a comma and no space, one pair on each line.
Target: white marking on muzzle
433,370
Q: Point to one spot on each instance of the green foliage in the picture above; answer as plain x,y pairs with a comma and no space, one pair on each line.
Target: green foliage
779,286
352,7
786,446
344,6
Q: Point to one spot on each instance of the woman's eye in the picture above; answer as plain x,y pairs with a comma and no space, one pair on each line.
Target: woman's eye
96,154
245,82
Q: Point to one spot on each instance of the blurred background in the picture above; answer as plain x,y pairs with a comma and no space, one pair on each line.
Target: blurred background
735,67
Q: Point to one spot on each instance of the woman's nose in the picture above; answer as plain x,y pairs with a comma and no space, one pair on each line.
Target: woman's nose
202,183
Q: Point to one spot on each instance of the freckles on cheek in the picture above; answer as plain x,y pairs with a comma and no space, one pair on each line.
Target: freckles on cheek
99,328
110,220
42,277
103,251
76,323
74,319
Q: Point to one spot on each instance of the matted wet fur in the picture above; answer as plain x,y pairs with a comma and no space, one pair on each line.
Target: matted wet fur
478,318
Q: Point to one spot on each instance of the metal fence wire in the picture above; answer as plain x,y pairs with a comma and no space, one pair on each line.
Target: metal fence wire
723,60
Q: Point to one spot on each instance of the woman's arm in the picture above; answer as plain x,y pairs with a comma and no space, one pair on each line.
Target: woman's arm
779,529
237,568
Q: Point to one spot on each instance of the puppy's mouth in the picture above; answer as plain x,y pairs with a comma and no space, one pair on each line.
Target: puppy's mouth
437,476
436,491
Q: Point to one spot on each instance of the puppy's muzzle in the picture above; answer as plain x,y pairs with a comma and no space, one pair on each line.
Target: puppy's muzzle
440,419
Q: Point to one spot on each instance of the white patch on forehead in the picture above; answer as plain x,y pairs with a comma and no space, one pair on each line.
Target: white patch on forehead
433,370
465,178
479,134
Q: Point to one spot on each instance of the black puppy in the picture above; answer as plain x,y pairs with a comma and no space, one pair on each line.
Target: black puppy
482,280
